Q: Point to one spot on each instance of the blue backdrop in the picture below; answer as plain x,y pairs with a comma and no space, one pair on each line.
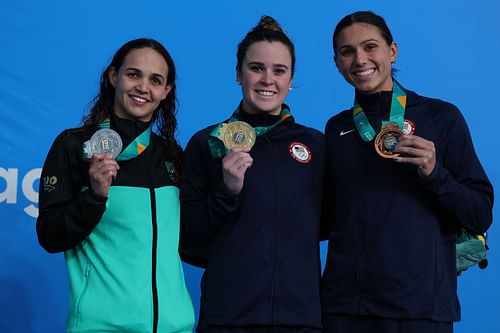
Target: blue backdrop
52,53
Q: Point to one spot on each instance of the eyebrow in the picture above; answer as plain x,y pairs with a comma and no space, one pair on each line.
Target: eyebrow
138,70
262,64
362,42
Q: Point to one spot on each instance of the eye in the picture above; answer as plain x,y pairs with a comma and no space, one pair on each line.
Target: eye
279,71
132,75
371,47
256,68
156,81
346,51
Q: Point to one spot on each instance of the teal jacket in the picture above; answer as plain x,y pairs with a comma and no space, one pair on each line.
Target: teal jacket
121,251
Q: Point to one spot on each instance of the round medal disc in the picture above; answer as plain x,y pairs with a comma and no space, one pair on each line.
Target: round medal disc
387,140
237,134
104,141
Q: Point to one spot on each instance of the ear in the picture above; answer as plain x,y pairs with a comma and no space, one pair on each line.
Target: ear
335,61
393,50
167,91
112,76
238,75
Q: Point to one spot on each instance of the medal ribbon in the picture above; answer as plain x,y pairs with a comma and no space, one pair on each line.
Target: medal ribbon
136,147
397,114
217,148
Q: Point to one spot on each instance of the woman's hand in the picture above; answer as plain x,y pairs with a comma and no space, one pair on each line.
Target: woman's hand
102,171
418,151
234,165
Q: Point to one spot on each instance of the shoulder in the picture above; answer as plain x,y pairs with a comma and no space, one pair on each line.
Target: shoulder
73,136
439,109
309,130
203,133
339,121
199,140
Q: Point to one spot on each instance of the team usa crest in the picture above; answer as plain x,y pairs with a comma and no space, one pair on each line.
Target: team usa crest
300,152
408,127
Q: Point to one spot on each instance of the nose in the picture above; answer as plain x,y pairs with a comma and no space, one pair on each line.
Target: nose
142,85
361,58
267,77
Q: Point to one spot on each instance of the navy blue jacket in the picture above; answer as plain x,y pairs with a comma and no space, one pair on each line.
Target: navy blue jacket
392,237
261,247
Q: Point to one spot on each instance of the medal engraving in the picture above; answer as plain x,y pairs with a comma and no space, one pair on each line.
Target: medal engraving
104,141
387,140
237,134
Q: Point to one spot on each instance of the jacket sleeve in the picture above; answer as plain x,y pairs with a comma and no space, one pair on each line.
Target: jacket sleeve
458,179
68,212
206,202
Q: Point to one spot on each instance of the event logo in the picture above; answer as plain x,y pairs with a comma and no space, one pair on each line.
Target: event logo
8,194
49,183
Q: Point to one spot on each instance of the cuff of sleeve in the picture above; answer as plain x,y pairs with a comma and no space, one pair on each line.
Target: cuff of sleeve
436,180
96,197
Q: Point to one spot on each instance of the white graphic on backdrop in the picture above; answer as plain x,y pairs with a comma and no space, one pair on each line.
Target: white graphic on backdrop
9,195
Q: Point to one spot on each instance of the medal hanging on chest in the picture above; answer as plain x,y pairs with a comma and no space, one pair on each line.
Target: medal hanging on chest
387,139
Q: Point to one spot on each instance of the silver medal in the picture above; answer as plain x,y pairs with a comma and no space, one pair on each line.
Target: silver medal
104,141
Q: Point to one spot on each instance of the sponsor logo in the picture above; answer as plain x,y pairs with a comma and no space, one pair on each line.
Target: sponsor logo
342,133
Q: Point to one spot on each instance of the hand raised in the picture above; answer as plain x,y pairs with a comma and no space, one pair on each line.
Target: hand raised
418,151
103,169
234,165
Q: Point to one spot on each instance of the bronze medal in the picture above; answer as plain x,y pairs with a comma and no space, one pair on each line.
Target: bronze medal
387,140
237,134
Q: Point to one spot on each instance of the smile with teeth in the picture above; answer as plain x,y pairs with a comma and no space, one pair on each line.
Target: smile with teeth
365,72
265,92
139,99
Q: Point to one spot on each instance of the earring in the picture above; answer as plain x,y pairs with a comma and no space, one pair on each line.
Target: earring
238,82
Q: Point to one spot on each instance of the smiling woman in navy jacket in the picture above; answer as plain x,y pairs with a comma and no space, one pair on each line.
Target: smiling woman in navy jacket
252,217
405,176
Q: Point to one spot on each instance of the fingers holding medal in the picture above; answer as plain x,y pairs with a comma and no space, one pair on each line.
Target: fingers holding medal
102,149
238,137
103,169
418,151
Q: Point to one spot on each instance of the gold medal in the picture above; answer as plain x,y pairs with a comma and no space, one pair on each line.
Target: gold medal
237,134
387,140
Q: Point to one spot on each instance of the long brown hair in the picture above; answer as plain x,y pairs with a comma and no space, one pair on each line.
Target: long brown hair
164,117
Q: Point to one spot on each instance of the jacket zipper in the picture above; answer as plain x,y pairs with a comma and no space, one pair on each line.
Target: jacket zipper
275,231
154,287
153,260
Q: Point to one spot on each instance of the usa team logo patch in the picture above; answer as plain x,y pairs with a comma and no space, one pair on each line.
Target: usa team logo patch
408,127
300,152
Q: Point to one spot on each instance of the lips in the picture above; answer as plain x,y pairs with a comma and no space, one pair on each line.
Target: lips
266,93
364,73
138,99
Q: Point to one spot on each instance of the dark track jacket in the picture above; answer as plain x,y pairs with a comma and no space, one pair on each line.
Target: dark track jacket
392,239
261,247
